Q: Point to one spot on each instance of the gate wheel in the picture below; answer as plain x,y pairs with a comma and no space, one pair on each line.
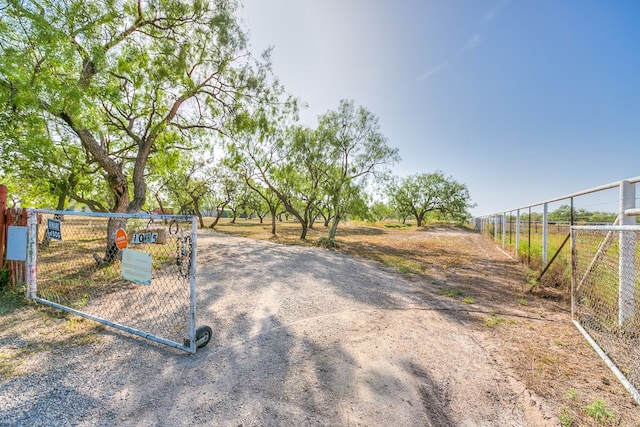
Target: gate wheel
203,336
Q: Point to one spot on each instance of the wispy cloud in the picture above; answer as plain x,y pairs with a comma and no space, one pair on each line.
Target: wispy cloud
435,70
492,13
471,44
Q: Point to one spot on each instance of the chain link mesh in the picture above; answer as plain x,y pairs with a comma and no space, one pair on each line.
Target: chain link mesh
144,287
606,293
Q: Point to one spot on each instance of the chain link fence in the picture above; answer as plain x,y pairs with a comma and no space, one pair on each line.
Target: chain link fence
606,295
133,272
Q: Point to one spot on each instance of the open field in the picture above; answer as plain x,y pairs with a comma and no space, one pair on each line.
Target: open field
436,327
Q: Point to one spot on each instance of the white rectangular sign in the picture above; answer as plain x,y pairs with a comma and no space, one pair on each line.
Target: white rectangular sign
136,266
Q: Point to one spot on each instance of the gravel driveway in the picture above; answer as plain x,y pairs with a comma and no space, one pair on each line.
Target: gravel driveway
302,336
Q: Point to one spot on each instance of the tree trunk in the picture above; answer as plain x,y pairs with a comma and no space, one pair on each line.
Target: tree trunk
62,198
273,221
196,208
303,234
334,228
219,212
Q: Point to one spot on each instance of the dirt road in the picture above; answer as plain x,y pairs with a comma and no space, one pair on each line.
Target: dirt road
302,336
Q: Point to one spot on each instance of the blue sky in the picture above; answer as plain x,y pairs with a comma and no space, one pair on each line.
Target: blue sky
522,101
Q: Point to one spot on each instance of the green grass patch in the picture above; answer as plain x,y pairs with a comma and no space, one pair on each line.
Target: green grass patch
452,293
571,394
396,225
599,412
11,300
406,266
565,418
494,320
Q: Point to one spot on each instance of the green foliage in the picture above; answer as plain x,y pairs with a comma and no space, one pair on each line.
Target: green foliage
571,394
4,278
565,418
494,320
325,242
10,299
599,412
422,194
94,89
380,211
449,292
312,173
354,150
564,214
396,225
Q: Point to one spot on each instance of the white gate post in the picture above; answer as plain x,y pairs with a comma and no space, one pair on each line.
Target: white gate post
504,230
626,263
32,252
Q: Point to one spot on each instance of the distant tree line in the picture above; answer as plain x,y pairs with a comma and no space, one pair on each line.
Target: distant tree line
564,214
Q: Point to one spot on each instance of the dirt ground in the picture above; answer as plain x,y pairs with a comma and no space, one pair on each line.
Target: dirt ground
307,336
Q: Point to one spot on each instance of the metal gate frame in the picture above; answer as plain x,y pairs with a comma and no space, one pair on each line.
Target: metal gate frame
198,338
626,280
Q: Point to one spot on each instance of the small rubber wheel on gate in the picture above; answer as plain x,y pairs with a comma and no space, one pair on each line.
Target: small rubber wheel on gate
203,336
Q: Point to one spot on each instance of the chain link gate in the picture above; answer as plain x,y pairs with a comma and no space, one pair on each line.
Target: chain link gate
134,272
605,296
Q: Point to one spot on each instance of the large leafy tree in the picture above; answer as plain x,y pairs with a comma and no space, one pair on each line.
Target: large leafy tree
126,78
271,152
354,150
431,192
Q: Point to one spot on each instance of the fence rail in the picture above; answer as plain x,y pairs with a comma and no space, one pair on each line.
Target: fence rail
532,236
599,269
134,272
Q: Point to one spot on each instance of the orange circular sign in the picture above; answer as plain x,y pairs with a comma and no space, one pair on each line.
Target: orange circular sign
121,239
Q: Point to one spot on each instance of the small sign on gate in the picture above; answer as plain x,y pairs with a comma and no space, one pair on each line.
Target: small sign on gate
136,266
54,231
16,243
121,238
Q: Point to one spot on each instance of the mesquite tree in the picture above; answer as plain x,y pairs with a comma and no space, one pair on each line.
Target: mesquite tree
127,78
431,192
354,150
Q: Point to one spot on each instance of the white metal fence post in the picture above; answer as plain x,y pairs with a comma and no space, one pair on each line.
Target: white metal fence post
517,233
545,233
626,263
